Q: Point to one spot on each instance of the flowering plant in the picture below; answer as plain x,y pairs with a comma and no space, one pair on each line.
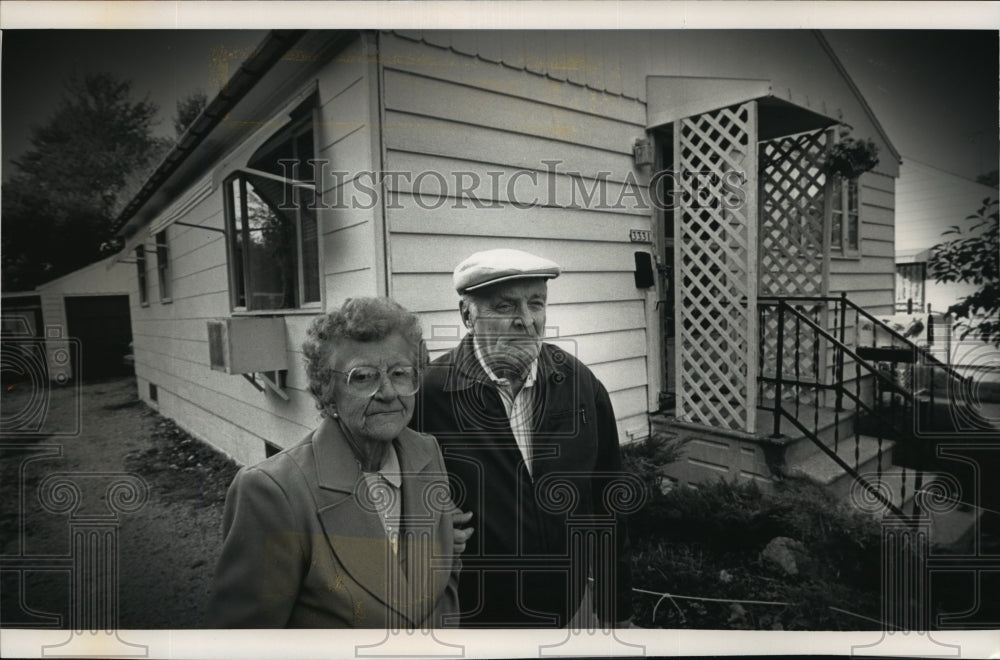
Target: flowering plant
850,158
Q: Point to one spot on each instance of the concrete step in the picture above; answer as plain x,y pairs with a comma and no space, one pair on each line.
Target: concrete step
953,529
951,523
823,470
797,447
835,428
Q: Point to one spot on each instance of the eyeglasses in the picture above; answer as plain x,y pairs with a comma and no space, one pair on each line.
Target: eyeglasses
366,381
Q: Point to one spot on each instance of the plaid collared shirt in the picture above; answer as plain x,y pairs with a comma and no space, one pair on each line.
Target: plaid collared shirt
519,409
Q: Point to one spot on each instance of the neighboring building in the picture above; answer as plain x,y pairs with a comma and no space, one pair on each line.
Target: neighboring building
536,126
929,201
82,319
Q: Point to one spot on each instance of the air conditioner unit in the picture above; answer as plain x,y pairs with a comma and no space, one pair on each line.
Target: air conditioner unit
247,344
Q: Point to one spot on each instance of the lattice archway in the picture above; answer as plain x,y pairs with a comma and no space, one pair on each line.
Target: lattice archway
716,257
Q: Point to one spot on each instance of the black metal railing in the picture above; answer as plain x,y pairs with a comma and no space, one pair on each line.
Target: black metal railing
862,390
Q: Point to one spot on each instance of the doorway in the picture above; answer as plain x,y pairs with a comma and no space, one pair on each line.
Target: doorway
665,272
104,329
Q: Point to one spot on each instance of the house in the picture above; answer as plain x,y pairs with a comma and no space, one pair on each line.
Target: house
929,201
677,177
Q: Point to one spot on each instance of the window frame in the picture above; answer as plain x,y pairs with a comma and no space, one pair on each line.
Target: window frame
140,267
163,274
839,246
235,192
904,269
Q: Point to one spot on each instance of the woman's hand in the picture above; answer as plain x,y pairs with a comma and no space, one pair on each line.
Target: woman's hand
462,533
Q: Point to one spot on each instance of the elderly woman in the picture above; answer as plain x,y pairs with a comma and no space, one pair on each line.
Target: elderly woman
352,526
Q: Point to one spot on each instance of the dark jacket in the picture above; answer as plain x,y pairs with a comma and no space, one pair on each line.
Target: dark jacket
302,550
515,568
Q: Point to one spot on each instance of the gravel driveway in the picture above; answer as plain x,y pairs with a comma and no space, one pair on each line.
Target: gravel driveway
167,549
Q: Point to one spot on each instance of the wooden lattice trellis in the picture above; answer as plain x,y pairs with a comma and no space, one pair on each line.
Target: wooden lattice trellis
791,219
716,259
792,203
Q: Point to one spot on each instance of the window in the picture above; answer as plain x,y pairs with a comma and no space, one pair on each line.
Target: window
140,267
163,265
910,280
845,218
271,223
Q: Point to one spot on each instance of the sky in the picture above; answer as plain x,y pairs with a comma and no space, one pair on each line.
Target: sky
165,64
934,92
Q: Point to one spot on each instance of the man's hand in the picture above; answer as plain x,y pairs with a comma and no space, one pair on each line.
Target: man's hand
459,520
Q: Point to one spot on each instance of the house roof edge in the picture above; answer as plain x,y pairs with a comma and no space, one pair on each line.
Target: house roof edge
267,53
857,93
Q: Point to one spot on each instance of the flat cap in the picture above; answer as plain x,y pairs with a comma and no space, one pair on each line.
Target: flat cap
490,267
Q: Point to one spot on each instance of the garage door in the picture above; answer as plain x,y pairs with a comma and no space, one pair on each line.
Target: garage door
102,326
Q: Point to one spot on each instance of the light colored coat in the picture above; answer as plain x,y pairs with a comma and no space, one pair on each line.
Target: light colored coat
303,550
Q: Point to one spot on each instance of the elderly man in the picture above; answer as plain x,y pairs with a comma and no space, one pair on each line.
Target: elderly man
529,438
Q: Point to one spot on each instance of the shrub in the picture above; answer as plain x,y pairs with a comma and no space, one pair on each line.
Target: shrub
647,460
707,541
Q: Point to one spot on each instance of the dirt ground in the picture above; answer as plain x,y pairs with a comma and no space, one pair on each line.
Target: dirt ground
167,548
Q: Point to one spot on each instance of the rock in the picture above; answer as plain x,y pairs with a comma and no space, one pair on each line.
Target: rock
787,553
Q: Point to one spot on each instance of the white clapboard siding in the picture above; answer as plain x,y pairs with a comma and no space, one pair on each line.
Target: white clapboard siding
879,232
400,54
930,200
349,284
621,374
430,97
871,276
171,340
349,249
434,183
189,256
222,392
415,253
343,115
212,279
431,292
630,403
240,433
617,63
506,220
345,132
431,136
601,58
237,442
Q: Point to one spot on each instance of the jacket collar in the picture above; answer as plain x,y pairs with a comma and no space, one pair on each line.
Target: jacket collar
337,468
465,370
355,533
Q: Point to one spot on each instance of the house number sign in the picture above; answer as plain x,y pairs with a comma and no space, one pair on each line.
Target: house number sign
639,236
